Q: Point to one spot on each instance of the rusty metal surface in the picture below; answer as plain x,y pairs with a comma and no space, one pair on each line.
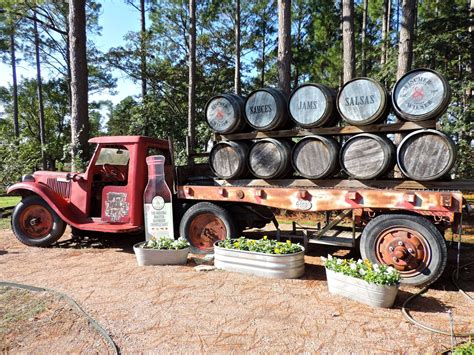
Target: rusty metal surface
315,200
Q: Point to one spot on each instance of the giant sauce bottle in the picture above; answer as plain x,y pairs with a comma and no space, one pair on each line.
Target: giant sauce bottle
157,199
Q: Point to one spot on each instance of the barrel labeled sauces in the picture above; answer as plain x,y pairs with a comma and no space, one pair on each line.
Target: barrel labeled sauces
421,94
267,109
363,101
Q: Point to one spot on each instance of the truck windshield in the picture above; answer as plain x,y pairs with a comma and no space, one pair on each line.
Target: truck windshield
113,156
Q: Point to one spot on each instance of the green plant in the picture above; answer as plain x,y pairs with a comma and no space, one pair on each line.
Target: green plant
466,348
263,245
363,269
164,243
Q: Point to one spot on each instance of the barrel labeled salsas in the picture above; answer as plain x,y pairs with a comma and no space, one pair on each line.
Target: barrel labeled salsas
426,155
421,94
225,113
363,101
316,157
270,158
228,159
367,156
313,105
267,109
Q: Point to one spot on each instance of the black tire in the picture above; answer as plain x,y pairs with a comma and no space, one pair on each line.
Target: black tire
52,230
422,251
202,235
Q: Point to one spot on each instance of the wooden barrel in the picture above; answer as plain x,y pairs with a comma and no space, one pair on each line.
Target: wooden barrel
426,155
421,94
228,159
270,158
367,156
224,114
363,101
316,157
313,105
267,109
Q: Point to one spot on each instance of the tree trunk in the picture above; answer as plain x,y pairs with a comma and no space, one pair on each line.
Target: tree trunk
348,39
405,45
39,92
16,126
192,80
262,71
363,35
79,83
284,45
143,67
237,84
385,31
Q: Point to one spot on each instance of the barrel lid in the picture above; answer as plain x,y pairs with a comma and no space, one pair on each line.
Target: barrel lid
219,113
362,101
421,94
308,103
426,155
261,107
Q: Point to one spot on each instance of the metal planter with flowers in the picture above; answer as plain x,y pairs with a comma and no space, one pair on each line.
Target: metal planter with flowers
372,284
263,257
162,251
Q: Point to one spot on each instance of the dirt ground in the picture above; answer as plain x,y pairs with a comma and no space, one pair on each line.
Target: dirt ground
177,309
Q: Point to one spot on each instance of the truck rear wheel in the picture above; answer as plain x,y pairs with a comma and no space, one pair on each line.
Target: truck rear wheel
203,224
411,244
34,223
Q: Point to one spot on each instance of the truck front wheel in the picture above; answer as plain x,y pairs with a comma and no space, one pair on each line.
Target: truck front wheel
34,223
204,223
411,244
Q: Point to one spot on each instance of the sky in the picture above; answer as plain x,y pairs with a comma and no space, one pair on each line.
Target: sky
116,19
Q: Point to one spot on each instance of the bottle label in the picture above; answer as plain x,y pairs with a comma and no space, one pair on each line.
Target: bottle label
159,219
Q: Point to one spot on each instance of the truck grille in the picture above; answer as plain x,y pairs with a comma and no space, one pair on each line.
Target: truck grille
63,188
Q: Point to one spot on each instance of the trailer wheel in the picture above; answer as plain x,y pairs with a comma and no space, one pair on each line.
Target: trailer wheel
34,223
411,244
203,224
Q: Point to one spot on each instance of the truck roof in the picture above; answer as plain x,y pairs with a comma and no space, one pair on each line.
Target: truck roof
128,140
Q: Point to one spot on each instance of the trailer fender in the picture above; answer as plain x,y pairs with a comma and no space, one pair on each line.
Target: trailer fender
58,204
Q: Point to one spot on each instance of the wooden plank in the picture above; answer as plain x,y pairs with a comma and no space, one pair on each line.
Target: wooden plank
397,184
301,132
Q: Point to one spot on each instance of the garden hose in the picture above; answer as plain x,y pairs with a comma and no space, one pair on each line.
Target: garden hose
75,305
426,327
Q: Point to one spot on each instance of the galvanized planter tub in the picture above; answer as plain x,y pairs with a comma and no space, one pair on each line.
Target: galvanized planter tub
159,257
281,266
360,290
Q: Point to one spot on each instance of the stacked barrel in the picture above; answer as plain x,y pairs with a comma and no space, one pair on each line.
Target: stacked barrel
423,155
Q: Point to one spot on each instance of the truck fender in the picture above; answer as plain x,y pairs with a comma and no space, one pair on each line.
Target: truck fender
59,205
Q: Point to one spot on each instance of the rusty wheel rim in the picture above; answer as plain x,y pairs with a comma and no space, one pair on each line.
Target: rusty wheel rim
405,249
36,221
205,229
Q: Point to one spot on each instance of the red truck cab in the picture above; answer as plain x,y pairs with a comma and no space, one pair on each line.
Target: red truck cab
107,197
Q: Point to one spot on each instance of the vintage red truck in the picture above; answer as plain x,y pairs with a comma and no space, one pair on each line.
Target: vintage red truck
396,222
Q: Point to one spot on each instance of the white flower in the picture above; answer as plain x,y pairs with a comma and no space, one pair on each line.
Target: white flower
329,256
376,267
339,261
362,272
390,269
360,261
353,266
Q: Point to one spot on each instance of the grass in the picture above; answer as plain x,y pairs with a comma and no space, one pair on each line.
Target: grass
18,307
9,201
